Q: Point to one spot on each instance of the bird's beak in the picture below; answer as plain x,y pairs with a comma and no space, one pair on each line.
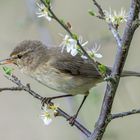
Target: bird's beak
6,61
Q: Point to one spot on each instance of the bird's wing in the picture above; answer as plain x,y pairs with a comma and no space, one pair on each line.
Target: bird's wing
75,65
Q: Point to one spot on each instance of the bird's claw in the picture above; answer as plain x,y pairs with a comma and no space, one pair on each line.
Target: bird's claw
46,100
72,120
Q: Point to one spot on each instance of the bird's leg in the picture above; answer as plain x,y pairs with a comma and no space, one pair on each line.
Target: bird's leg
48,100
73,118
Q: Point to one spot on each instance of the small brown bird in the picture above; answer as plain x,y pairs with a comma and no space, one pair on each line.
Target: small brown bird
56,70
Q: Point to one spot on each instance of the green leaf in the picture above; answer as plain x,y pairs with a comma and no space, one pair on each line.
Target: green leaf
48,2
8,70
102,68
75,36
62,21
91,13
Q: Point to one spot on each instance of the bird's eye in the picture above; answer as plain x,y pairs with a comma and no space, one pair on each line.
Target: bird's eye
19,56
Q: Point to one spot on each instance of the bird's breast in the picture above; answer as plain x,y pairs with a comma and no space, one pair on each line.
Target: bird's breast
63,82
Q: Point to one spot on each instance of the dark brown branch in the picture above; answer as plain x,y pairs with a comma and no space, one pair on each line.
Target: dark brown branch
124,114
26,88
11,89
100,10
112,85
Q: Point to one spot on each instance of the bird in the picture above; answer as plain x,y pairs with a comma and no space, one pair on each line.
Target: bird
58,70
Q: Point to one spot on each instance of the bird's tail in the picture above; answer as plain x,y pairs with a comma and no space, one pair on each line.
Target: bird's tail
130,73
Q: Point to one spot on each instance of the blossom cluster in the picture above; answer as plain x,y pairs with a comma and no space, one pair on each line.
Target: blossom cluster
70,45
43,11
116,17
46,114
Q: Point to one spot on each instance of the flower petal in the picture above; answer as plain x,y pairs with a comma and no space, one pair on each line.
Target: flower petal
84,57
98,55
85,43
74,52
46,120
48,18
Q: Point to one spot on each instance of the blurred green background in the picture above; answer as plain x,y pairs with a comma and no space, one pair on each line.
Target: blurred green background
20,113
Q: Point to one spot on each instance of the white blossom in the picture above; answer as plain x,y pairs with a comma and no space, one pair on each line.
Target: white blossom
116,17
47,112
43,11
93,52
46,117
81,41
70,45
122,16
108,16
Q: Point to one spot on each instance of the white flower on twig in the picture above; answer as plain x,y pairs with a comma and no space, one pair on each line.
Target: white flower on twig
121,16
43,11
53,108
81,41
116,18
46,116
47,112
70,45
93,52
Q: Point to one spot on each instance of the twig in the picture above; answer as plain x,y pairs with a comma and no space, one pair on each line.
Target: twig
124,114
115,34
136,23
26,88
100,10
11,89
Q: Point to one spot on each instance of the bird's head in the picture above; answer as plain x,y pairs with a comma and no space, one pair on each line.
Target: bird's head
27,54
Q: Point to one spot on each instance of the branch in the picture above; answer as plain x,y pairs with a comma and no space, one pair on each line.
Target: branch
120,59
124,114
100,10
136,23
115,34
26,88
11,89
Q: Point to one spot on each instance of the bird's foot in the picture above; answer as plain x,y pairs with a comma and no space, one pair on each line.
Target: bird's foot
46,100
72,119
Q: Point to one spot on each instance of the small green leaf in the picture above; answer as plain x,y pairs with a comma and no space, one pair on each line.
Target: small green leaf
79,50
8,70
75,36
62,21
48,2
102,68
91,13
